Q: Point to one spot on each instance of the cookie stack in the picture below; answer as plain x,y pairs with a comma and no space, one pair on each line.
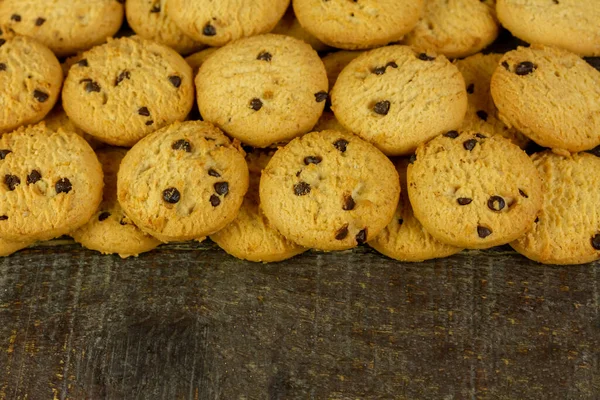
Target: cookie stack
313,125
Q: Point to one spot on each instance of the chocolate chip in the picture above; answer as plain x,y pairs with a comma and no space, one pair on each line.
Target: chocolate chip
361,237
392,64
103,216
90,85
155,8
2,67
382,107
182,144
4,153
209,30
214,173
12,181
143,111
40,96
481,136
341,145
312,160
342,233
525,68
222,188
321,96
301,189
483,232
256,104
40,21
496,203
451,134
537,219
175,80
555,1
148,123
2,41
412,159
16,17
505,65
482,114
83,63
33,177
469,144
400,221
425,57
123,222
471,88
264,56
349,203
596,242
522,193
463,201
122,76
63,186
3,217
171,195
379,70
215,200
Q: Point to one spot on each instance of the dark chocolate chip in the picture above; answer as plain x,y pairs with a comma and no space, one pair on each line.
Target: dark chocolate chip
481,136
103,216
148,123
12,181
122,76
425,57
33,177
342,233
222,188
143,111
482,114
4,153
40,96
412,159
215,200
214,173
505,65
525,68
496,203
175,80
182,144
40,21
341,145
2,41
463,201
63,186
400,221
301,189
451,134
123,222
522,193
2,67
361,237
483,232
555,1
471,88
90,85
264,56
312,160
537,219
379,70
321,96
155,8
596,242
171,195
3,217
392,64
349,203
209,30
469,144
382,107
16,17
83,63
256,104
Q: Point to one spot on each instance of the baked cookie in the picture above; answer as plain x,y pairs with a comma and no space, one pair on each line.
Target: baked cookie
569,24
482,114
151,19
58,119
475,192
336,62
30,78
329,191
8,247
567,230
550,95
358,24
404,238
455,28
197,59
51,183
65,26
183,182
290,26
250,236
121,91
397,98
329,122
109,231
262,90
217,23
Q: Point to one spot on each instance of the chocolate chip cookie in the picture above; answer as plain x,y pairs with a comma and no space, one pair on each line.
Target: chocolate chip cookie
397,98
121,91
473,191
329,190
58,119
262,90
183,182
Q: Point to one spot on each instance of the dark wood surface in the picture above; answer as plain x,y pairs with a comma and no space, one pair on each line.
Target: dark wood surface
189,322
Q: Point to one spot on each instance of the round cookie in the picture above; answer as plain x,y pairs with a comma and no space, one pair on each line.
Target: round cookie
151,19
475,192
183,182
197,59
550,95
329,190
358,24
290,26
121,91
217,23
250,236
51,183
569,24
65,26
30,78
404,238
397,99
482,114
567,230
109,231
336,62
455,28
263,90
8,247
58,119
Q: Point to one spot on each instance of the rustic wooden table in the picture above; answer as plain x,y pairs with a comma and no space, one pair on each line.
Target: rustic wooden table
189,322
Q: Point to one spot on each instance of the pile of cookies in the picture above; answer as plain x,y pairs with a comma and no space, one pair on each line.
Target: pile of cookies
321,124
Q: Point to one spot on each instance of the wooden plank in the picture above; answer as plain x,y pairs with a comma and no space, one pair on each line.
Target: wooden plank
189,322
